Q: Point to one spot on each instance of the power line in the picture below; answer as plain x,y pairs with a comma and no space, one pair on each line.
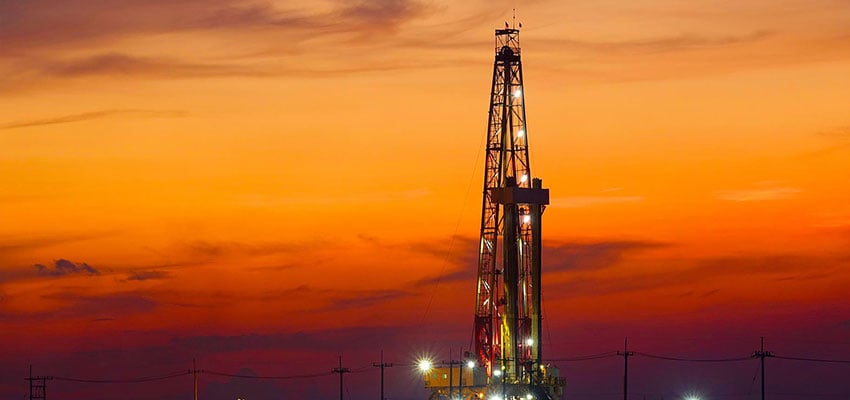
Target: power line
585,357
279,377
669,358
824,360
841,395
131,380
365,368
588,357
362,368
210,372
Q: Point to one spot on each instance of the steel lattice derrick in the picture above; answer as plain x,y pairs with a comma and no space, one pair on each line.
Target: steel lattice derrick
503,308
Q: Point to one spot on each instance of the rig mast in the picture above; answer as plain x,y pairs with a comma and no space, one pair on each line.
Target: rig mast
507,328
506,361
499,318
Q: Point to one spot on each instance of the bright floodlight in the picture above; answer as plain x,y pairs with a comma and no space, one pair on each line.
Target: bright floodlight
692,397
470,364
425,365
495,397
523,178
529,341
529,396
518,93
526,219
497,372
520,133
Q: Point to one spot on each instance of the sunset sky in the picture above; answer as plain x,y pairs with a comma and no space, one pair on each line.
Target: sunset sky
265,185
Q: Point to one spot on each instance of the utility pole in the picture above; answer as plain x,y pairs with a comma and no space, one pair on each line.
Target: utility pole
382,365
463,362
38,386
341,371
451,375
452,362
460,379
626,354
762,354
195,377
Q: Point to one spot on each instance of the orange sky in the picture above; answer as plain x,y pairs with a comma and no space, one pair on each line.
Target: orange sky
234,167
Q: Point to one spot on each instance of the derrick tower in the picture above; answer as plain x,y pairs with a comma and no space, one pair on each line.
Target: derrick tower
508,319
506,358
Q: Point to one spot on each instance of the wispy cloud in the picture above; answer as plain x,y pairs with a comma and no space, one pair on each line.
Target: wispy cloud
89,40
458,255
334,300
321,340
574,256
65,119
658,45
381,14
62,267
363,299
147,275
123,65
589,201
120,64
81,24
457,250
261,200
73,305
838,137
687,55
759,194
594,255
12,248
839,132
685,272
211,249
13,244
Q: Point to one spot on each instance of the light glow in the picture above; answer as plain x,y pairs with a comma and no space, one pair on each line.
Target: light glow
526,219
692,396
518,93
520,133
425,365
529,341
470,364
497,372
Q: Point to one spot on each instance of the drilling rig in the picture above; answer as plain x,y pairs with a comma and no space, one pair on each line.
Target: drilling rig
506,361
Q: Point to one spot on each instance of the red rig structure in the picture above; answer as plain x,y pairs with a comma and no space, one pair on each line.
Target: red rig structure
506,361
